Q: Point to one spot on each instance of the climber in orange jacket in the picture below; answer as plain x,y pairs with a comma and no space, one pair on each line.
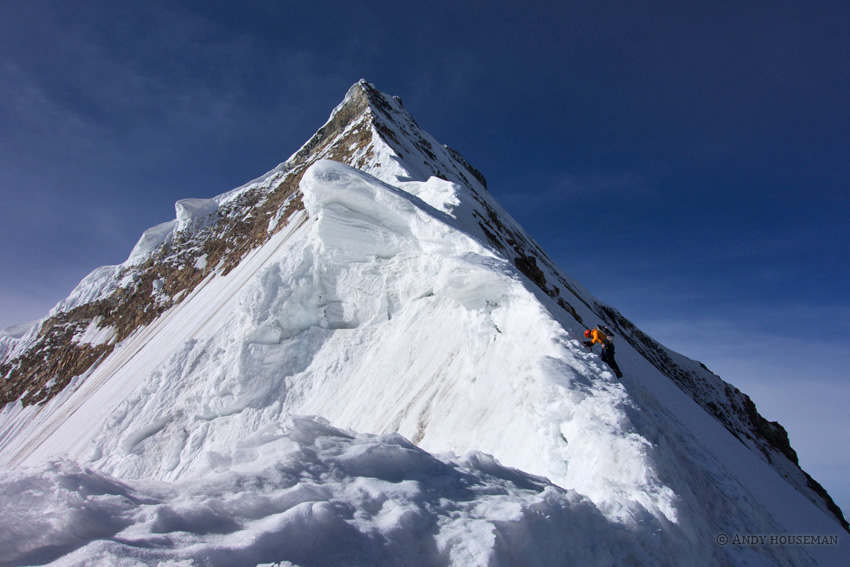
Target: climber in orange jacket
598,336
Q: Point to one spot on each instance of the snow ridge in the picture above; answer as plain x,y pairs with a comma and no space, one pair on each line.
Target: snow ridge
371,280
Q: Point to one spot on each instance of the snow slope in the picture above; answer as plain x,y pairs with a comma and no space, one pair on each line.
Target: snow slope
388,307
311,495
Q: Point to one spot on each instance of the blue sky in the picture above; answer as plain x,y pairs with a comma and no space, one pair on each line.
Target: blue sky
688,162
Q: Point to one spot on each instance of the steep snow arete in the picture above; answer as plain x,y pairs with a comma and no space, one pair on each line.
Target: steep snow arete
159,413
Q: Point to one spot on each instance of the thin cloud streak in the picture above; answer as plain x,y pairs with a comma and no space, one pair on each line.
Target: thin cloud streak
574,189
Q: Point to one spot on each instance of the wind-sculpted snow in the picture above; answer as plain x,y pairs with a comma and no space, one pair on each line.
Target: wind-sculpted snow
389,319
310,494
194,213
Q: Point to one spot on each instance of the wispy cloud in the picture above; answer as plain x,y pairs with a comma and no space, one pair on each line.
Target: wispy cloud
533,192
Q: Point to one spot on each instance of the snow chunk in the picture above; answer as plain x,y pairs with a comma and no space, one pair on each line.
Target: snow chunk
201,263
360,217
439,193
151,239
328,183
191,215
194,213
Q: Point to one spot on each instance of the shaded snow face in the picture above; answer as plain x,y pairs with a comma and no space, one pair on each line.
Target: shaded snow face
380,315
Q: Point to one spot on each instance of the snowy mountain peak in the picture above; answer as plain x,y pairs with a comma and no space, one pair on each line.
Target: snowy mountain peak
371,280
373,132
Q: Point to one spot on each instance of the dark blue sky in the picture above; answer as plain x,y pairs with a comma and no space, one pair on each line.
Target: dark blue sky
688,162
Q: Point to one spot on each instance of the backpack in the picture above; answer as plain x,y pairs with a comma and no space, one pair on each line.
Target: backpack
607,332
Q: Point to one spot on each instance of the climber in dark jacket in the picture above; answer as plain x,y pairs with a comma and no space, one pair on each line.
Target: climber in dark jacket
598,336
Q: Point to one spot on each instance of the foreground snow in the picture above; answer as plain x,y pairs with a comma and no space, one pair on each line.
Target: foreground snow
306,493
313,495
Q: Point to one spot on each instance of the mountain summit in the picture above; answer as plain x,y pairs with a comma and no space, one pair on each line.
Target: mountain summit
371,281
